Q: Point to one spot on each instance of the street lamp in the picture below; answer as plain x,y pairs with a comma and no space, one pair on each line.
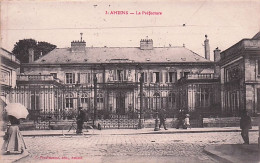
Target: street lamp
95,99
77,87
141,119
156,127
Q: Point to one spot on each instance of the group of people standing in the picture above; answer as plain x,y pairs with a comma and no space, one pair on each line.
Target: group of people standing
183,120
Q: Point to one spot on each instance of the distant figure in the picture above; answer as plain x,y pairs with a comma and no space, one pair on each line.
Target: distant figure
245,125
162,118
187,121
80,120
14,142
180,119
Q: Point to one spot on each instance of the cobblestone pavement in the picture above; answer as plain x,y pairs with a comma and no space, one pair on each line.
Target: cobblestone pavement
181,147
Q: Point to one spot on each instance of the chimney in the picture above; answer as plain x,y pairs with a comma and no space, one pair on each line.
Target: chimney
206,46
78,46
31,55
217,55
216,59
146,44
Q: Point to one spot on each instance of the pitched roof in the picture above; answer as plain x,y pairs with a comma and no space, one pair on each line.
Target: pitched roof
257,36
121,54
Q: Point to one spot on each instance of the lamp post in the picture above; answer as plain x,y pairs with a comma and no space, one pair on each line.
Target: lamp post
156,127
141,118
95,99
77,87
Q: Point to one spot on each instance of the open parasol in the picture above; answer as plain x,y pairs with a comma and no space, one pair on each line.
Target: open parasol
17,110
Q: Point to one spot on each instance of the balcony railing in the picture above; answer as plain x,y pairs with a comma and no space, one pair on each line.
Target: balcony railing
201,76
37,78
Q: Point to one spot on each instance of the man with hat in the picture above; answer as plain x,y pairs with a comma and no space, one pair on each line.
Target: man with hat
80,120
245,125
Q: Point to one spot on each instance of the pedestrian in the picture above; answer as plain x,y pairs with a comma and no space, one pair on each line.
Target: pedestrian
13,139
180,120
80,120
245,125
187,121
162,118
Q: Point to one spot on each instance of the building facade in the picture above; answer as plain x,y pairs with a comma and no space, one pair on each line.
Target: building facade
132,82
240,77
9,69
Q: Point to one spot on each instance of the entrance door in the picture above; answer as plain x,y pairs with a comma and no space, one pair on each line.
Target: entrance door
120,103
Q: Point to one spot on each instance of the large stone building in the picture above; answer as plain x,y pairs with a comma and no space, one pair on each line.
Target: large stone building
173,78
240,77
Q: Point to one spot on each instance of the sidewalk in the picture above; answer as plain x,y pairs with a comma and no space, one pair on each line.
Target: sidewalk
234,153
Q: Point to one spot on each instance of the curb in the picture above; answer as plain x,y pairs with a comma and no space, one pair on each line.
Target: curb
216,155
22,157
138,133
142,133
18,157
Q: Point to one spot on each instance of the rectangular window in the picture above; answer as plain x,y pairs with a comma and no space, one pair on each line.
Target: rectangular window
99,77
119,75
172,77
70,78
69,103
156,77
78,78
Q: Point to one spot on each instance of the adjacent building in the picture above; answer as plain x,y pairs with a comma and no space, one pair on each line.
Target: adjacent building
240,77
9,69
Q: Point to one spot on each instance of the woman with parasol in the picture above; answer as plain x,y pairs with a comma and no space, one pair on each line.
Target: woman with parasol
14,142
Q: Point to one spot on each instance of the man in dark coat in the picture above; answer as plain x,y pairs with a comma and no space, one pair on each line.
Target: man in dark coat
162,118
180,119
80,120
245,125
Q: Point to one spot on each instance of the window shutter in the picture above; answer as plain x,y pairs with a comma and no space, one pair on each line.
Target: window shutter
114,75
88,78
175,77
151,77
166,77
145,77
160,76
124,74
73,78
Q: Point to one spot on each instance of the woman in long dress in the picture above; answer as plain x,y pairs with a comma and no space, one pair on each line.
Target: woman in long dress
14,142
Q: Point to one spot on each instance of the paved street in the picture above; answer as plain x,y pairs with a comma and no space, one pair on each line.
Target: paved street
179,147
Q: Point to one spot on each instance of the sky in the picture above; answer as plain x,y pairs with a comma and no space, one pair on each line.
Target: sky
225,22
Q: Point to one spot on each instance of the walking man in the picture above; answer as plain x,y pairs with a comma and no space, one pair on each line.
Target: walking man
80,120
162,118
245,125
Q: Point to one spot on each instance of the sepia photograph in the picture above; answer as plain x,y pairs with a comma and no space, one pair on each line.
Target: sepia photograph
148,81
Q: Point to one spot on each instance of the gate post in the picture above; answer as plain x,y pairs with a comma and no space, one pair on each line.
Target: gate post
141,117
95,99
